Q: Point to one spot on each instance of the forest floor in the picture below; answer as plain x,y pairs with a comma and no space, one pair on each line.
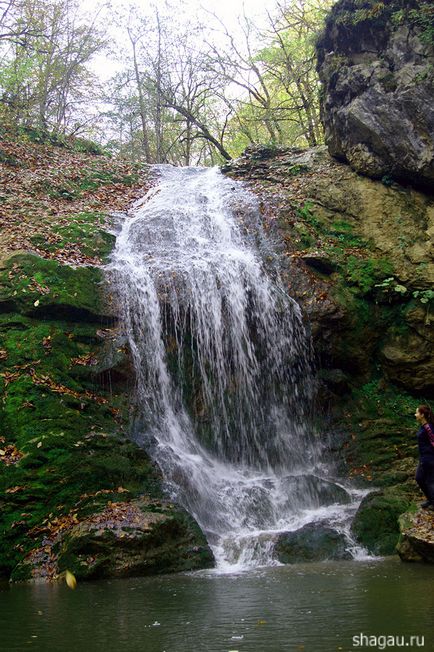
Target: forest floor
52,195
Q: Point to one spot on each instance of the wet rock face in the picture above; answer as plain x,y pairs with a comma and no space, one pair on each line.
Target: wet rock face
375,61
360,263
312,542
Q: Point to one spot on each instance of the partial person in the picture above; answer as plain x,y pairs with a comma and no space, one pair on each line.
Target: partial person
425,440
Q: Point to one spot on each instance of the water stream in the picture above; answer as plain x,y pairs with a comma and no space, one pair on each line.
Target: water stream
222,359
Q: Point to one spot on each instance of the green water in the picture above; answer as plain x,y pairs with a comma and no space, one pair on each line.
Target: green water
301,608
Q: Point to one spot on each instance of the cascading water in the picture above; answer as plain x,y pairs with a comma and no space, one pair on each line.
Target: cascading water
222,361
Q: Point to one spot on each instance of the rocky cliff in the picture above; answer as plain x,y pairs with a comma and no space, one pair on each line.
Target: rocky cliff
376,64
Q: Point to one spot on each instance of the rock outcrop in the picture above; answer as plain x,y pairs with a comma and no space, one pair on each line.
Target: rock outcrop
361,262
416,542
376,64
140,536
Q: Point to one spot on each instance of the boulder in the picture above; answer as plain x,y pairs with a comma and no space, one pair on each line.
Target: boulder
375,525
416,542
312,542
308,491
140,537
126,538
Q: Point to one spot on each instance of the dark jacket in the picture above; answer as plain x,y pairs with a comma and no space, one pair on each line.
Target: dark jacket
425,441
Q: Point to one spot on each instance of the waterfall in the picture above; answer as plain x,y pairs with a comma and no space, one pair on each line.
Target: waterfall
222,358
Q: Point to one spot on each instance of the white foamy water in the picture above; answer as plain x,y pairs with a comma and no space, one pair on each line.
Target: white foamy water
222,358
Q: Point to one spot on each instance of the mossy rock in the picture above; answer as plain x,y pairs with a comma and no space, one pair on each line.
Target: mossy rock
376,523
72,457
40,288
122,538
312,542
136,538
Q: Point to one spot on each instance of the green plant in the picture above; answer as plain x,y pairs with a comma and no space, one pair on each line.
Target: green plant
386,180
424,296
422,18
392,285
364,273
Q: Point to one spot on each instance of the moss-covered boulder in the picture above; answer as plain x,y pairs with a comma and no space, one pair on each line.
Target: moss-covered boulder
45,289
376,523
312,542
127,537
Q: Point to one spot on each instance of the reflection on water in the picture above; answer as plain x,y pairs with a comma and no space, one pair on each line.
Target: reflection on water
306,608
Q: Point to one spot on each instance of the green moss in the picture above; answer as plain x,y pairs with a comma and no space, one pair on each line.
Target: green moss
84,232
382,447
366,273
34,286
376,400
67,428
376,524
90,181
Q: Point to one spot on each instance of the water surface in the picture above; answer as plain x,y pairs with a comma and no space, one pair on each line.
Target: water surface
305,607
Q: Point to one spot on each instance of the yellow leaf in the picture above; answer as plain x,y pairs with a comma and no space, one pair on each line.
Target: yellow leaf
70,580
36,303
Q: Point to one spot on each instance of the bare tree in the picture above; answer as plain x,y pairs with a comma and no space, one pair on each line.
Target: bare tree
237,64
50,79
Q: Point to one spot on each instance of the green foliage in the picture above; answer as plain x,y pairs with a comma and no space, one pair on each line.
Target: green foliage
305,213
371,10
390,286
88,146
365,273
424,296
422,18
44,70
376,401
387,180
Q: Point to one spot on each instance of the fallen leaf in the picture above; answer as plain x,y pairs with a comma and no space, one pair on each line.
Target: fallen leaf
70,580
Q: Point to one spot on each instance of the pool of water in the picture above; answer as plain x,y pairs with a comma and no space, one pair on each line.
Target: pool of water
302,608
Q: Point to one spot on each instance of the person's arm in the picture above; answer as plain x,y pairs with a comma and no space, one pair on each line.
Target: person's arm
429,432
